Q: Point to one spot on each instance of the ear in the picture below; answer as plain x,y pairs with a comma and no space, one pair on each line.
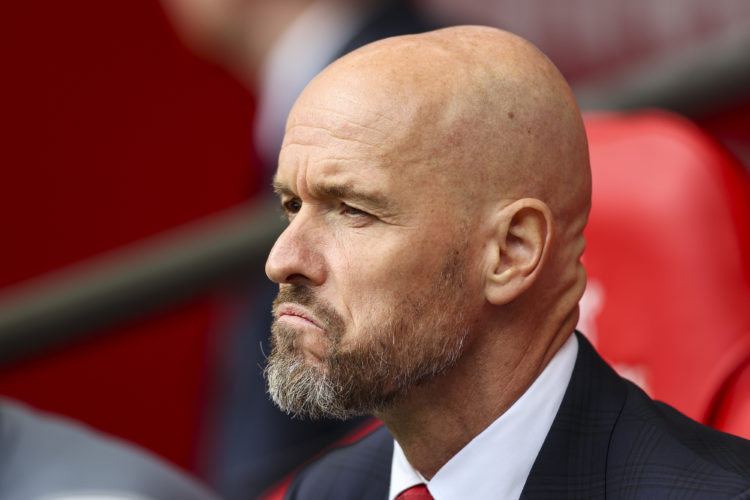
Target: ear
518,250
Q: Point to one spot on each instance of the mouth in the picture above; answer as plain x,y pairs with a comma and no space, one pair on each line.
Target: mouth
295,313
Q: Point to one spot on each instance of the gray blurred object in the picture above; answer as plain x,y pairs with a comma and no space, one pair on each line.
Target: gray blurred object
135,280
699,79
50,457
683,55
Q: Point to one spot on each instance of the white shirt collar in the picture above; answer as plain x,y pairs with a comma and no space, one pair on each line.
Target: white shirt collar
497,462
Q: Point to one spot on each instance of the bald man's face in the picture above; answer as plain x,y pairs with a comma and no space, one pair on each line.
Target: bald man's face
373,268
397,168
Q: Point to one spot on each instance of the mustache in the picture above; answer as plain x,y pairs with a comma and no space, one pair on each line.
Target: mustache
295,294
304,296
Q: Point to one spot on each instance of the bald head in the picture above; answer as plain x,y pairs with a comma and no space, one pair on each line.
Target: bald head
476,103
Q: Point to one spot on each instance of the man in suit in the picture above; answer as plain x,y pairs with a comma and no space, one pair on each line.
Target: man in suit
437,188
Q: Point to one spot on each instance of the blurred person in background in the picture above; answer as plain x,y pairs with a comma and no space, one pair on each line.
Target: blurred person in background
275,47
45,456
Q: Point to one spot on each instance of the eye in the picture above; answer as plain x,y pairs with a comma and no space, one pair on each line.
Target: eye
349,210
291,206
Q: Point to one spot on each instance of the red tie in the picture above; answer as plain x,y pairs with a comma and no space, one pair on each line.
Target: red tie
418,492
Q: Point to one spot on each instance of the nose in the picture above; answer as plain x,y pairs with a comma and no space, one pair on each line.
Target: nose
296,256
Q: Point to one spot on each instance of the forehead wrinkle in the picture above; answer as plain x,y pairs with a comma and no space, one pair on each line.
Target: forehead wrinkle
347,119
296,135
339,117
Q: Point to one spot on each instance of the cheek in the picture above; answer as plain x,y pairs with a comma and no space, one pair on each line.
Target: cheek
376,284
373,270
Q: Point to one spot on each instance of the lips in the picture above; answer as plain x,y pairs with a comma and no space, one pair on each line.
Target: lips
296,312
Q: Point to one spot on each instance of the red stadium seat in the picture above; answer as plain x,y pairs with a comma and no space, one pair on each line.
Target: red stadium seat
668,259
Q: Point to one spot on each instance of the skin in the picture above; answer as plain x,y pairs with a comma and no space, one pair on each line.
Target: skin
460,142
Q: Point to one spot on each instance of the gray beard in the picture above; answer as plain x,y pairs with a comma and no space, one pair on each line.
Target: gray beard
423,337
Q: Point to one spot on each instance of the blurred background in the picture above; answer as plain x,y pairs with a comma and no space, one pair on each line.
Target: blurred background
138,142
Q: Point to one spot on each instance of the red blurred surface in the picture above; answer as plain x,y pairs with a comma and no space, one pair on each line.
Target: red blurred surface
112,132
668,259
731,125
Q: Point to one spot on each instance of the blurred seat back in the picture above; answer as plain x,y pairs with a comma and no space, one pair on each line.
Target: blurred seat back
668,260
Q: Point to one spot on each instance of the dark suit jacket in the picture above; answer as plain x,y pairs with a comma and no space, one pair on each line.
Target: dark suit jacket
608,440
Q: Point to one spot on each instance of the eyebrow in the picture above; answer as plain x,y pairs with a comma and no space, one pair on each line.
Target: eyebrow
281,189
341,191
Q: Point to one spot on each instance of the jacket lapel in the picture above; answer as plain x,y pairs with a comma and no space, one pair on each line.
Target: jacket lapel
572,461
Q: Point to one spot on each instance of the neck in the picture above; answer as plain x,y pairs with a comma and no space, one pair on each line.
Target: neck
435,419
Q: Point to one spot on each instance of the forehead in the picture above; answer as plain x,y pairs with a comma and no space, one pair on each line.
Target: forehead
341,121
359,126
340,138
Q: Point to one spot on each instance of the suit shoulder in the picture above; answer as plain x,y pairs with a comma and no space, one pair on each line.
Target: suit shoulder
361,469
657,451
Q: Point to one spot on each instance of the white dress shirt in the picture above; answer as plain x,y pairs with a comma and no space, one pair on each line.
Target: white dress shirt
496,463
